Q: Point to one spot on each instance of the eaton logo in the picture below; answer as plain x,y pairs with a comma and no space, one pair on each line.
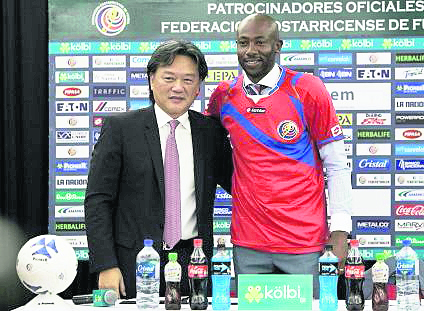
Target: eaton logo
409,164
72,166
335,58
372,164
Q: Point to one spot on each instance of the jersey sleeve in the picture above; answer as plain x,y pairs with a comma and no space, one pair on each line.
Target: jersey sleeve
217,99
319,111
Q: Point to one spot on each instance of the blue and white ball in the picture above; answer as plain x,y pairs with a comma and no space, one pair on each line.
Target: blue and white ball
47,264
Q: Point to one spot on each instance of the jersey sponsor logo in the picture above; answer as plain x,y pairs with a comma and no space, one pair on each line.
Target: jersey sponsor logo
222,211
374,240
72,91
345,119
409,180
409,164
69,226
409,134
71,137
375,118
256,109
71,62
409,73
373,134
335,73
221,60
373,180
409,88
72,121
221,75
409,118
409,225
72,107
109,91
288,130
334,58
72,166
409,149
103,61
109,106
409,210
109,76
384,58
382,164
409,194
297,59
68,211
373,73
139,91
373,226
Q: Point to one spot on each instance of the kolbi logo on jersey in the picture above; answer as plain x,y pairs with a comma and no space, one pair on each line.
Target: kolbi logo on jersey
288,130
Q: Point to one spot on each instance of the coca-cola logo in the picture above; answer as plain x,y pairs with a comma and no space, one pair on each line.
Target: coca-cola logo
197,271
410,210
354,271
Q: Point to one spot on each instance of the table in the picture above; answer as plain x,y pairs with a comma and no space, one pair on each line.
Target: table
315,307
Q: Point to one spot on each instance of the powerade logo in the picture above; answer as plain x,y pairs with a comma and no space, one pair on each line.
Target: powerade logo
373,164
373,226
409,164
72,166
221,195
335,58
409,88
335,73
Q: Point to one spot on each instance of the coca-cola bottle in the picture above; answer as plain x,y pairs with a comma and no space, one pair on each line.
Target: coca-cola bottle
354,274
198,277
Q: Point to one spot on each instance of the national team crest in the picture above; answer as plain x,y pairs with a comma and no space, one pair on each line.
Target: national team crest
288,130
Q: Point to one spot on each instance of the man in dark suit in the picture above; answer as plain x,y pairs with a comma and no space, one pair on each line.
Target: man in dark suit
125,199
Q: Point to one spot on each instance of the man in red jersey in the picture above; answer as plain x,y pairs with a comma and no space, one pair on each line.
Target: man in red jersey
284,132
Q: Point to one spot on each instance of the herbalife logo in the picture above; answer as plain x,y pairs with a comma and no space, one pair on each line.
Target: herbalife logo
254,293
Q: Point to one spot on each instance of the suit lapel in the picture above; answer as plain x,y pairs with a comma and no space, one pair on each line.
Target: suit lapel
151,133
197,137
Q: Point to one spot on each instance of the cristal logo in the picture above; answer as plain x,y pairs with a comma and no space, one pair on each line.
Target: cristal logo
277,292
145,268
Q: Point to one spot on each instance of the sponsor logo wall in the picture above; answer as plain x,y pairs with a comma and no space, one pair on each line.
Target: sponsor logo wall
376,84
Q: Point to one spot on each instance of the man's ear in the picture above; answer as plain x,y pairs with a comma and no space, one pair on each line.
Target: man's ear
278,45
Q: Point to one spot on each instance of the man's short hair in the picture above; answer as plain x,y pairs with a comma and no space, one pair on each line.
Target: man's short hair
165,54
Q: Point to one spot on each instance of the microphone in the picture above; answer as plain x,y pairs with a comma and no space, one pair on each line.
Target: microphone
99,298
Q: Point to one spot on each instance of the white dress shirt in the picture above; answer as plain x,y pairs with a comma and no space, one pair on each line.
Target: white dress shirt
185,155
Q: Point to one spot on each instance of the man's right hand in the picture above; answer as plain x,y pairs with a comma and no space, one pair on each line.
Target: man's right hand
112,279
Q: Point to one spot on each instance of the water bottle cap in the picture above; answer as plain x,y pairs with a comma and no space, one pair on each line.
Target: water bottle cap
406,242
172,256
197,242
379,256
354,243
148,242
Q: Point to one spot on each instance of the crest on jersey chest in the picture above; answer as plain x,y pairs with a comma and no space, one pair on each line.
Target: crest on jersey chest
288,130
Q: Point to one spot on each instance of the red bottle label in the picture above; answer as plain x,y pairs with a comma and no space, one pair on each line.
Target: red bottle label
195,271
354,272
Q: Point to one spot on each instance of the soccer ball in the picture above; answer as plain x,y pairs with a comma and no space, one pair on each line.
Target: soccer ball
46,264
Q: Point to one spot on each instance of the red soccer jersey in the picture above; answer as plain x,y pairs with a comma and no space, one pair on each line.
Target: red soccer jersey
278,184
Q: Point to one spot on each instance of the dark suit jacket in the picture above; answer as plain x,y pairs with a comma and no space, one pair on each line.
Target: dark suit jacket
124,201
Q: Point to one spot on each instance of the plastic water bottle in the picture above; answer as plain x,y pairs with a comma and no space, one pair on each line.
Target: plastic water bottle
221,278
407,281
380,277
172,273
328,277
147,277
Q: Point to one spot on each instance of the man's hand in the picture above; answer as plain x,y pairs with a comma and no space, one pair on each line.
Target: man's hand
112,278
339,241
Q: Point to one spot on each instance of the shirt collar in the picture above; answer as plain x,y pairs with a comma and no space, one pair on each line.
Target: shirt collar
270,80
163,118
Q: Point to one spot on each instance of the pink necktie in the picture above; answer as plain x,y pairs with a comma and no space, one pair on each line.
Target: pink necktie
172,230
